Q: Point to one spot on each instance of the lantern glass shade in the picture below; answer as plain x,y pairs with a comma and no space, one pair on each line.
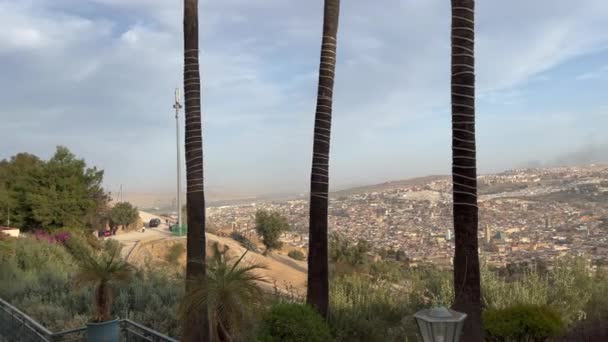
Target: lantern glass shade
440,324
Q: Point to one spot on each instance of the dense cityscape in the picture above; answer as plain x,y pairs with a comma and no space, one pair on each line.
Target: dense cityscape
525,215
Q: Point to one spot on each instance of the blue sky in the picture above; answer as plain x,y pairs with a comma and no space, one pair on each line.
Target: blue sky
98,77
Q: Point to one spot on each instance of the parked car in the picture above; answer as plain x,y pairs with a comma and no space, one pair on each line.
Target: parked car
155,222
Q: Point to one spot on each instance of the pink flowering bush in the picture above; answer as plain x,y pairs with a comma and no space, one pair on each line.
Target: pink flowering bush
58,237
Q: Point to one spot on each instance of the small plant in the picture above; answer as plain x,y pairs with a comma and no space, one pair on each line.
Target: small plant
364,309
103,271
245,242
343,251
522,323
289,322
174,253
297,255
232,295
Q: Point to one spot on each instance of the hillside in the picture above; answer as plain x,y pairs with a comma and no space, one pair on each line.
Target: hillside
280,269
387,185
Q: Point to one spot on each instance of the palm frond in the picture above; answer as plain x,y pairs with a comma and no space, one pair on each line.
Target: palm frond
239,260
230,290
102,270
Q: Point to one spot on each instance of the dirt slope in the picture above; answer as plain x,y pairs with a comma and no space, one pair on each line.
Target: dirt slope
281,270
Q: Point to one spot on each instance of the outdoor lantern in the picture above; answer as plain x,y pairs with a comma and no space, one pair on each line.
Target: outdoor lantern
440,324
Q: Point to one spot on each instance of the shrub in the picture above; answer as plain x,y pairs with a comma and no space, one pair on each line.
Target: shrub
151,299
35,276
93,241
104,271
529,288
597,306
342,250
364,310
57,237
174,253
231,293
289,322
245,242
571,288
296,254
523,322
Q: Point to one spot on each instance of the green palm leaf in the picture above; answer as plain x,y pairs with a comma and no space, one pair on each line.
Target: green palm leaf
103,270
231,292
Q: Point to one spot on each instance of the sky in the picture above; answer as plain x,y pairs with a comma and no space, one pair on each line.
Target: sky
98,76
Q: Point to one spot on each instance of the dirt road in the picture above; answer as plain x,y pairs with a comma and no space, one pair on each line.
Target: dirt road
132,238
281,271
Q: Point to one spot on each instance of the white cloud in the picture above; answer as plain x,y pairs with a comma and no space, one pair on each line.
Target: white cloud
595,74
101,72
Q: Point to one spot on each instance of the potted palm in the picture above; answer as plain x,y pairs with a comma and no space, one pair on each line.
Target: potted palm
103,270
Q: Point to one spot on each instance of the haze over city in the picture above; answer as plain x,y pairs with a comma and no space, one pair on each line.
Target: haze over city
303,171
98,76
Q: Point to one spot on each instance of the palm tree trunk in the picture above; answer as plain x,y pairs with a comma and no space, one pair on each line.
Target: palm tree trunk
196,329
222,332
103,302
464,170
318,270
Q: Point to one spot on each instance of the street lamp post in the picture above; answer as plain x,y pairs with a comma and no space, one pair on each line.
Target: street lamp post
177,107
440,324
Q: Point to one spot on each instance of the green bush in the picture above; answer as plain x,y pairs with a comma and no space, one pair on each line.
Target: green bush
571,288
288,322
297,255
365,310
374,302
36,277
151,299
174,253
597,306
522,323
245,242
499,293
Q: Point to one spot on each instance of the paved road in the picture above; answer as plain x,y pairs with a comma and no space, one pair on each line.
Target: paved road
132,238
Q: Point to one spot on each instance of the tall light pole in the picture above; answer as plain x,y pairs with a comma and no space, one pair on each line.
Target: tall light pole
177,106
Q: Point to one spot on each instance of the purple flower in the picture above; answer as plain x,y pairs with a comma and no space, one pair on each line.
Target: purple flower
62,237
59,237
41,235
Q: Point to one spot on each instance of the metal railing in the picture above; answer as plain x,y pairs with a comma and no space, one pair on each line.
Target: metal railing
72,335
135,332
17,326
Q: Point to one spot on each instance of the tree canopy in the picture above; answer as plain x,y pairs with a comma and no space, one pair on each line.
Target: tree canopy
342,250
58,193
270,226
124,214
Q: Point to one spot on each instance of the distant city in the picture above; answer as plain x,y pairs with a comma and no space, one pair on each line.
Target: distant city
526,215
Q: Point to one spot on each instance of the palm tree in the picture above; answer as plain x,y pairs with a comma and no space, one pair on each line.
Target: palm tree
231,293
103,271
318,269
464,170
194,330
